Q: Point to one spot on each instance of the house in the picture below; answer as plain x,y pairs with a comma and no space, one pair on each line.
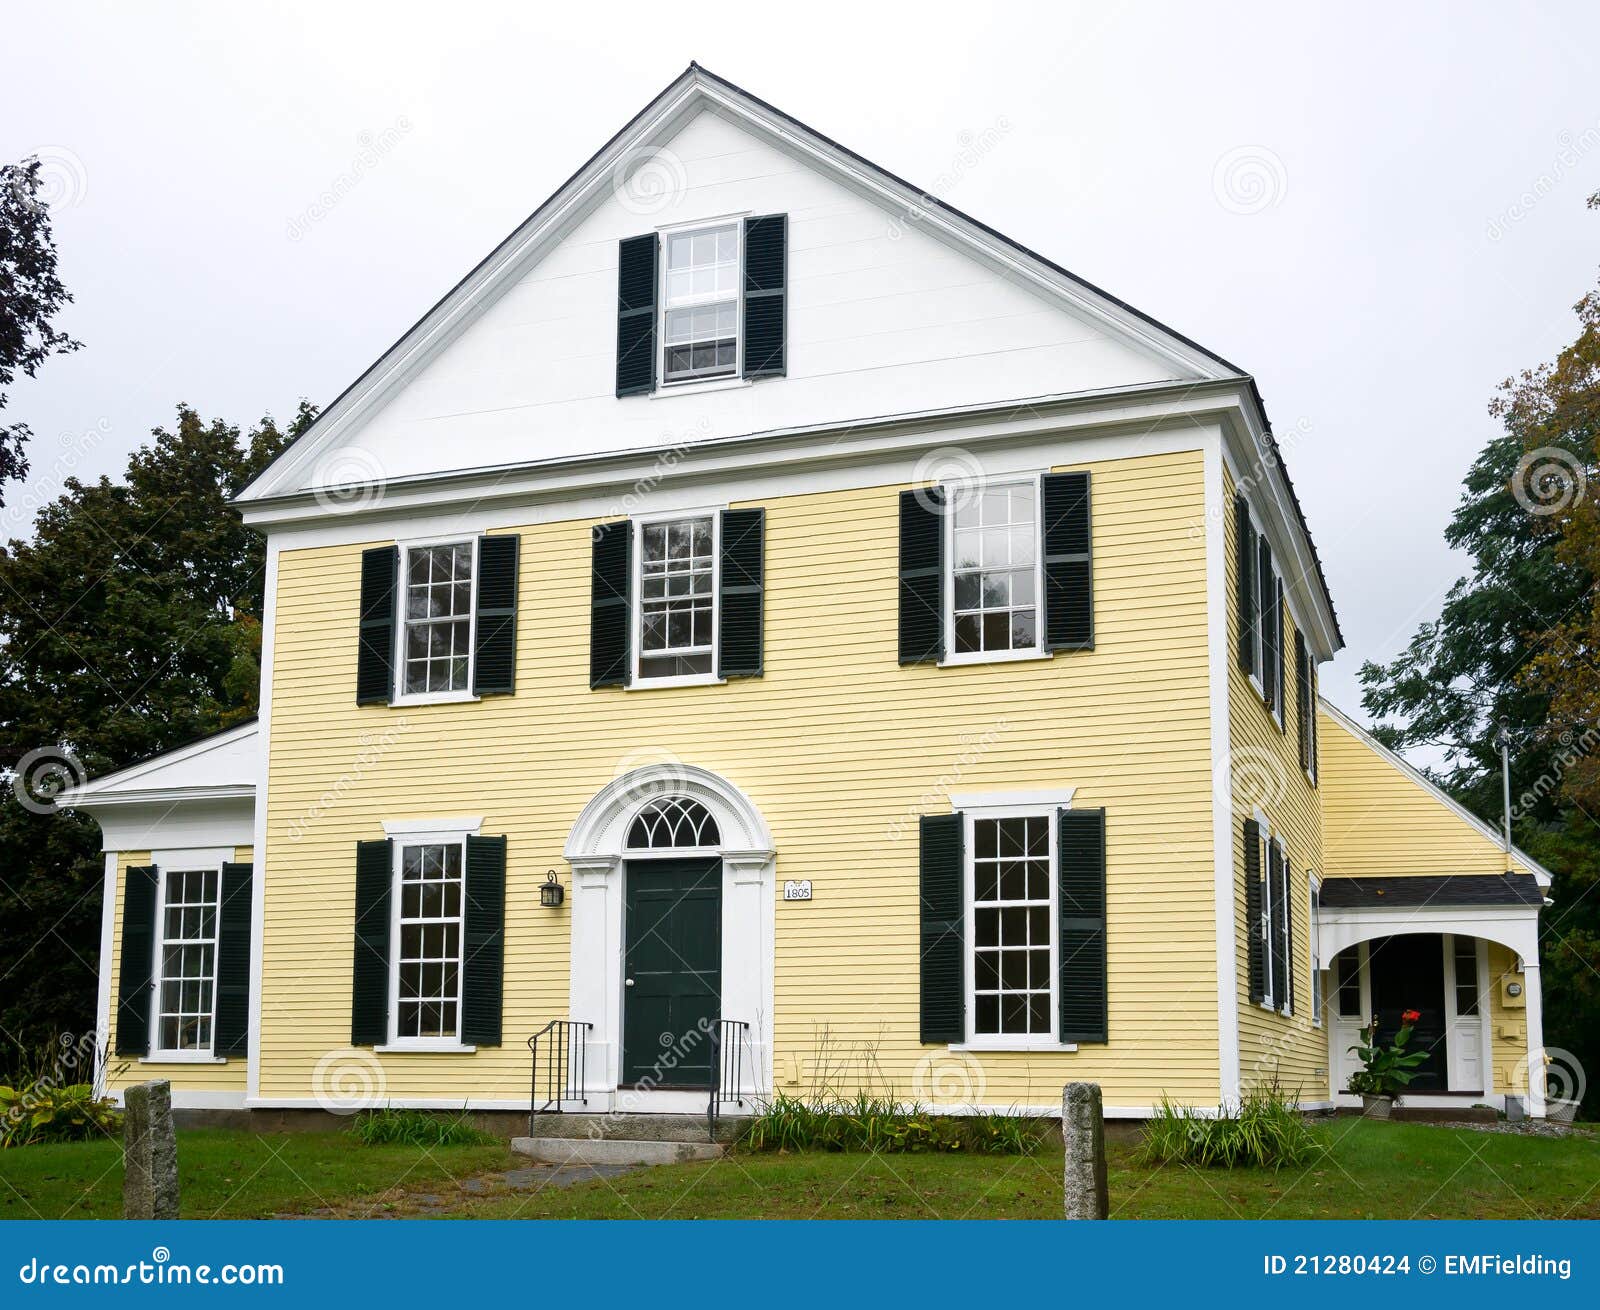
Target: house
765,630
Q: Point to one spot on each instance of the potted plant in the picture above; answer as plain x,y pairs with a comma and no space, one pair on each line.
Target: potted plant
1387,1068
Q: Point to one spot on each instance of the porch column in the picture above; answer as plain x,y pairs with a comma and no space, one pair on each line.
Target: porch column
1533,985
596,956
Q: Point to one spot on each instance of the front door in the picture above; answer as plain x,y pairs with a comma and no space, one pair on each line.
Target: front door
1407,973
672,971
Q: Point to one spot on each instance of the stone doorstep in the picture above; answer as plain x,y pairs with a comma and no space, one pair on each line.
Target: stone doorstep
636,1127
613,1150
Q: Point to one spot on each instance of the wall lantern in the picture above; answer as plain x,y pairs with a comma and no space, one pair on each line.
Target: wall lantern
552,893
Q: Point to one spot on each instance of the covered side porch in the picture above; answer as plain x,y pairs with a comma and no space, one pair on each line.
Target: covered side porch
1463,951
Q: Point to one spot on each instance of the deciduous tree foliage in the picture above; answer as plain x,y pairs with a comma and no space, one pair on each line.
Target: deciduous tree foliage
130,623
31,296
1517,643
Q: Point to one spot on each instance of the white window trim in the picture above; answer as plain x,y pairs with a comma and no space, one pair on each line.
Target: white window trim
663,386
425,832
637,681
947,583
397,696
195,861
1319,990
999,1041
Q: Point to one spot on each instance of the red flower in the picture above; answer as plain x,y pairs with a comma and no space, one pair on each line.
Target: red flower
1410,1016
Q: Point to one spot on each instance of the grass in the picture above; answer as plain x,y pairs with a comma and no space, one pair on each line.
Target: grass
1371,1171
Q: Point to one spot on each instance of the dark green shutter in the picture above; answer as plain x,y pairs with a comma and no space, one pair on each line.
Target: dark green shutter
739,653
1305,711
766,250
369,992
494,665
233,962
1269,657
137,960
943,936
1081,849
636,315
1068,570
1276,922
484,940
1253,903
1280,697
1244,544
922,575
1288,934
1311,666
610,586
375,658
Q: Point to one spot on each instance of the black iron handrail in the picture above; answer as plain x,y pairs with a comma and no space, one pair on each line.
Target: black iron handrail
728,1040
563,1076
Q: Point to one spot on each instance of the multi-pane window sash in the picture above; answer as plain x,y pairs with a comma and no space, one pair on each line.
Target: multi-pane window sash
677,605
995,569
700,304
1012,929
428,963
437,635
1466,962
188,960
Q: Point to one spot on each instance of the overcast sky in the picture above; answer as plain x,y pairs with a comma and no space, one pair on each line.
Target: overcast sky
1377,210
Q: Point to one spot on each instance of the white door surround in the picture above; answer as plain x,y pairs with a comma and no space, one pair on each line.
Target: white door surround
596,850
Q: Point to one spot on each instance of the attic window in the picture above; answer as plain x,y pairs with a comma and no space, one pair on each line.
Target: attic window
700,304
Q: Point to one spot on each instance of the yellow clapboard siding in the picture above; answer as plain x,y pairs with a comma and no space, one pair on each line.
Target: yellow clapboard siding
122,1070
839,747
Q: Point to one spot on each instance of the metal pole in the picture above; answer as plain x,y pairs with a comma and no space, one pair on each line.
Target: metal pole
1505,786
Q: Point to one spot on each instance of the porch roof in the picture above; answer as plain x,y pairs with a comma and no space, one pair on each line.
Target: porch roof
1411,892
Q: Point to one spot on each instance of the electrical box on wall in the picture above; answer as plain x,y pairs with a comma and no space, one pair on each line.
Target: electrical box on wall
1513,993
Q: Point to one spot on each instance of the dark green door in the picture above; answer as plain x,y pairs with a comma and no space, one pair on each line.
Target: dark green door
672,971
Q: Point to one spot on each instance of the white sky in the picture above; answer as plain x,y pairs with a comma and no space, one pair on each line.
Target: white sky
1422,234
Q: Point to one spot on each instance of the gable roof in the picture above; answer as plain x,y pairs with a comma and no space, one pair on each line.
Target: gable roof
220,766
697,88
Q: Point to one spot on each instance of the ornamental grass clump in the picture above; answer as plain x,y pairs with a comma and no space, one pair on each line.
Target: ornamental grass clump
882,1124
1263,1131
391,1127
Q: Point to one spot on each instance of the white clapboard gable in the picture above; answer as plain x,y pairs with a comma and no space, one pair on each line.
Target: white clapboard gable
894,307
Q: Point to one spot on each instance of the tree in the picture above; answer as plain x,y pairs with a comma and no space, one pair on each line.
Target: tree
130,624
31,296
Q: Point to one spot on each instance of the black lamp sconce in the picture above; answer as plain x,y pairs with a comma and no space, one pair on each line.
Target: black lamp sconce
552,893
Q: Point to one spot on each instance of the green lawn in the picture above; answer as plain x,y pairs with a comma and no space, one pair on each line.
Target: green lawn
1378,1171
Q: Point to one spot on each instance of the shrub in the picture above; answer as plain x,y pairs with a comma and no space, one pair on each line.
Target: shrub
44,1112
391,1127
876,1123
1264,1129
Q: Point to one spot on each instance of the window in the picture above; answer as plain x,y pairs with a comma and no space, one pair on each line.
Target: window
994,569
188,959
677,597
1269,628
1466,956
1314,891
1013,945
436,637
673,822
700,304
427,970
1349,970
